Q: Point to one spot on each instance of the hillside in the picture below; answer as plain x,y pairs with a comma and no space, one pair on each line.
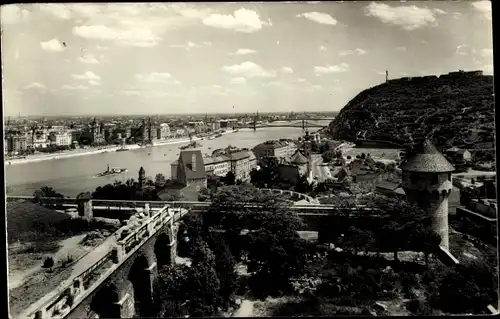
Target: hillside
455,109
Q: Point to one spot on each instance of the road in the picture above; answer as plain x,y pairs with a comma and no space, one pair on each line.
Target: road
323,172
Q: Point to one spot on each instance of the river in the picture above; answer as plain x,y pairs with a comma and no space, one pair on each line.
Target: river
71,176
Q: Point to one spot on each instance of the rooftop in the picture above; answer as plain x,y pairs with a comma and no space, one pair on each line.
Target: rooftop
298,158
426,158
185,157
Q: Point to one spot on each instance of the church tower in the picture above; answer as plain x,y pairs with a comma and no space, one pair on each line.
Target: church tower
142,177
427,183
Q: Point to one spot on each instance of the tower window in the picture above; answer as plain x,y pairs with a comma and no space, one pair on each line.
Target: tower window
449,177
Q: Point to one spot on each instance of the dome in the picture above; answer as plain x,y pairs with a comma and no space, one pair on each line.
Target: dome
426,158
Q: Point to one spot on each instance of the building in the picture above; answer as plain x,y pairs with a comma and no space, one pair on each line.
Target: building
16,143
390,189
240,162
60,138
427,183
173,170
217,165
191,169
282,149
458,156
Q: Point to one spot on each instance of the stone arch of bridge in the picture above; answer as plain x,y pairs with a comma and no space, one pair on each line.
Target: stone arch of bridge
163,251
105,302
139,276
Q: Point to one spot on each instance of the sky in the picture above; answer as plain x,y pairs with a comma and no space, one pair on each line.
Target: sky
107,59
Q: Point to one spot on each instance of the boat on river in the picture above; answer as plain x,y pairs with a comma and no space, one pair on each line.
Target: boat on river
193,144
112,171
121,149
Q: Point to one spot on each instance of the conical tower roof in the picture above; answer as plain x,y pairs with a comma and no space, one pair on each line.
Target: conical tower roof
298,159
426,158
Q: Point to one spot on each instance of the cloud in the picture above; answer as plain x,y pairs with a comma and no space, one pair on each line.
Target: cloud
58,10
13,14
52,45
239,80
460,49
287,69
408,17
89,59
483,7
130,93
137,38
190,45
101,48
244,52
401,49
357,51
74,87
138,25
35,86
243,20
155,77
486,52
456,15
318,17
322,48
94,82
322,70
87,76
248,69
300,80
439,11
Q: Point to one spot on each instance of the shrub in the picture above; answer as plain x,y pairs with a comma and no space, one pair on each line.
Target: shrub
48,262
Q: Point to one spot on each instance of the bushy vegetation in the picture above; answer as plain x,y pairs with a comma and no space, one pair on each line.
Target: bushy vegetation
459,111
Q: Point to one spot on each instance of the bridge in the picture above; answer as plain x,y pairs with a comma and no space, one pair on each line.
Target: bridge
305,123
115,280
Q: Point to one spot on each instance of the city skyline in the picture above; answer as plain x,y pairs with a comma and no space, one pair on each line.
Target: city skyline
228,58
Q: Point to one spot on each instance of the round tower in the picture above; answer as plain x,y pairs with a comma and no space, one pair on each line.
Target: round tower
427,183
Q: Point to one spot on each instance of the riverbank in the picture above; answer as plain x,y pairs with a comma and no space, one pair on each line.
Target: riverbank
93,151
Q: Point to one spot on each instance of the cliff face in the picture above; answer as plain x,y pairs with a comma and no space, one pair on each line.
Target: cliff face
456,109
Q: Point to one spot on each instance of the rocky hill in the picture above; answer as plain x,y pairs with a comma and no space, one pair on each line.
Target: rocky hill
455,109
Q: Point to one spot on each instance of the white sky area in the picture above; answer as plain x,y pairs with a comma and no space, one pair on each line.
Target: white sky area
102,59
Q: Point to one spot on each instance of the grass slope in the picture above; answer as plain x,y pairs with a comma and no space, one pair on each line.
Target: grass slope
457,109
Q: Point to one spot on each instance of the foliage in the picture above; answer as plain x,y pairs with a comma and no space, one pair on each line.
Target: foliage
458,110
267,176
229,179
48,262
465,289
303,185
46,192
160,180
124,191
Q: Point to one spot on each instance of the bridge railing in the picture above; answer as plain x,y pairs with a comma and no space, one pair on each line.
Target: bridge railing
60,303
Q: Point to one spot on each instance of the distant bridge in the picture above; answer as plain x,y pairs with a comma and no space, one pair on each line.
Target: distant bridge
294,123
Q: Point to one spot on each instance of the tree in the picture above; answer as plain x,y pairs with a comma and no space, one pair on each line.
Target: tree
229,179
160,180
267,176
303,186
46,192
328,156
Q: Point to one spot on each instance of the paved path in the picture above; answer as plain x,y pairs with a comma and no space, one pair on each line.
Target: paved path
323,172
